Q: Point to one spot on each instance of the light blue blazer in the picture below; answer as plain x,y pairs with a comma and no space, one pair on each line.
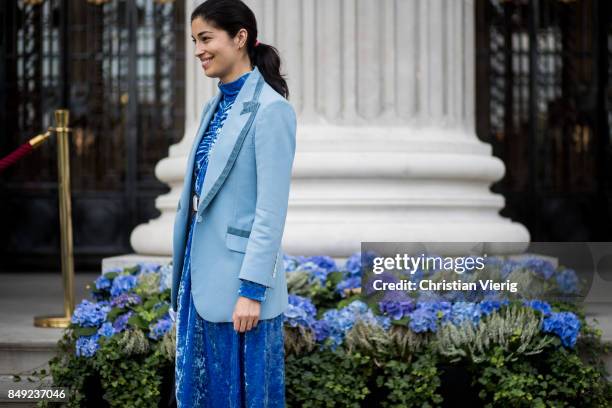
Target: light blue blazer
243,205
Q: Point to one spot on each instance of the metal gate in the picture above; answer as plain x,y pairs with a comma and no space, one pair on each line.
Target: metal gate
544,101
118,66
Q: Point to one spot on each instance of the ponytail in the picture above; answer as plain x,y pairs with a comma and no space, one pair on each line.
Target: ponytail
267,59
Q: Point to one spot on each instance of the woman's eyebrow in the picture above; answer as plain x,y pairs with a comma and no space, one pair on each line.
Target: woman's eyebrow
202,32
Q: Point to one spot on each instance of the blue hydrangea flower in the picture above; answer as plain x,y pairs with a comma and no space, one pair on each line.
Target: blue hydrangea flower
539,305
123,284
489,306
126,299
106,330
423,319
291,263
465,311
316,272
103,283
357,261
338,323
335,323
90,314
300,311
508,266
395,296
321,329
86,346
396,309
441,307
348,283
161,327
357,307
324,262
567,281
353,265
426,315
165,278
148,267
383,321
565,325
120,323
541,267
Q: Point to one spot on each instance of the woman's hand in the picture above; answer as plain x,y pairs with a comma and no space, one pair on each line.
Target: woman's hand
246,314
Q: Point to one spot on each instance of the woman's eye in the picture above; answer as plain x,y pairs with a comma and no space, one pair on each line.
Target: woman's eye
203,39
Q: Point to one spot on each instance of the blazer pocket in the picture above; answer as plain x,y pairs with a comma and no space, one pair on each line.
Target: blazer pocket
237,239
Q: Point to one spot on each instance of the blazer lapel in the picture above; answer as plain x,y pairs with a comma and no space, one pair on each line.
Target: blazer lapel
232,135
206,118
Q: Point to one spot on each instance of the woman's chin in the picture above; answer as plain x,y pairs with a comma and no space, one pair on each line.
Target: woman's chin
208,71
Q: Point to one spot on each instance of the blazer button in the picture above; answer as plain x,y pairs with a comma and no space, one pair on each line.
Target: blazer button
199,218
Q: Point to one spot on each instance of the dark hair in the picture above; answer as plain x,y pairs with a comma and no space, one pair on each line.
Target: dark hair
231,16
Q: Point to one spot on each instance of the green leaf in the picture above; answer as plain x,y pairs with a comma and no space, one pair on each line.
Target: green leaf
137,321
84,331
116,311
150,303
335,277
163,310
347,301
401,322
111,275
131,270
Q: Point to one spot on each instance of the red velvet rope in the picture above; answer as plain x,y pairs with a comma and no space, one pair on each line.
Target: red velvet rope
15,156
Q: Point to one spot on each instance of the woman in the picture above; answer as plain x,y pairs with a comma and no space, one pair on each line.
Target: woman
229,290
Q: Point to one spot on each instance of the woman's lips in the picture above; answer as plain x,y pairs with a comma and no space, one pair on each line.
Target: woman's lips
206,62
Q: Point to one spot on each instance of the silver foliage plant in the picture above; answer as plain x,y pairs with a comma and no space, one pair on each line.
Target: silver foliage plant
373,340
168,344
298,340
298,283
133,341
515,329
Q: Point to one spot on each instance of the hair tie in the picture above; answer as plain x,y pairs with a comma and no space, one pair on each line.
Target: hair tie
256,43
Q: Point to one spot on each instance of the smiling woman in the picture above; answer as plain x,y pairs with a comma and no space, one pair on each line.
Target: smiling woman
216,45
226,52
228,295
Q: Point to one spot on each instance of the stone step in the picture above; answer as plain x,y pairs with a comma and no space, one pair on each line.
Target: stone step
23,358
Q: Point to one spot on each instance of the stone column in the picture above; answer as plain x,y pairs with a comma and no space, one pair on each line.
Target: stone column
386,144
155,237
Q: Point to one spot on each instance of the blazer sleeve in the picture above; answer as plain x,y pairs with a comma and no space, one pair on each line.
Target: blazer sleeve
252,290
274,141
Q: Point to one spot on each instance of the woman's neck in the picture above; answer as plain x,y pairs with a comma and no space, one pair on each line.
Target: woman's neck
237,71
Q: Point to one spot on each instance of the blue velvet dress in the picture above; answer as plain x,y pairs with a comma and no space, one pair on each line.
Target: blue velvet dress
217,366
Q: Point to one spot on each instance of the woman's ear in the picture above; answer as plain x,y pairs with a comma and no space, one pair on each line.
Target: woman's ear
241,38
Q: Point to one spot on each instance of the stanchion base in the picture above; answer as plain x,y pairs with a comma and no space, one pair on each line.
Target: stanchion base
58,322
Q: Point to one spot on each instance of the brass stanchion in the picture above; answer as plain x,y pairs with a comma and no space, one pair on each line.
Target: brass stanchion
63,167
